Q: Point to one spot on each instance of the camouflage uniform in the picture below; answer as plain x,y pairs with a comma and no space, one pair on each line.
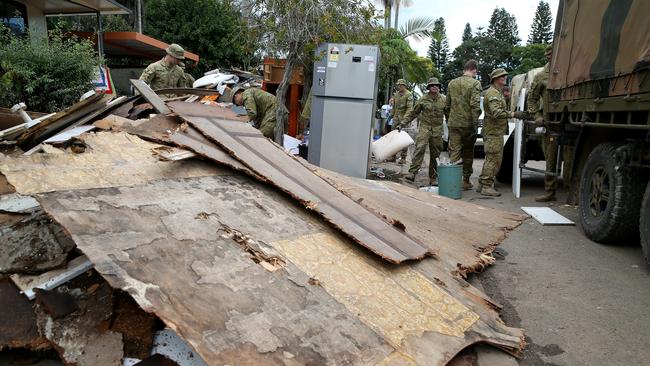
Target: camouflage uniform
494,127
261,107
463,107
403,104
429,111
549,145
305,116
159,75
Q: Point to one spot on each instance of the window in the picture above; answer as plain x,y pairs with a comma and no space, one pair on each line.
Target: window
13,15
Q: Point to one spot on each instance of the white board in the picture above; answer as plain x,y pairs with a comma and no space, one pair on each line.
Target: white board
516,151
547,216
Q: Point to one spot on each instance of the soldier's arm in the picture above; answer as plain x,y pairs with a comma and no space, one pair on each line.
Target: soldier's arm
411,114
475,101
447,104
409,105
496,107
534,97
251,108
148,74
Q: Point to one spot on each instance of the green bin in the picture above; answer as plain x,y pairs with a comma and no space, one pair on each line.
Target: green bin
450,181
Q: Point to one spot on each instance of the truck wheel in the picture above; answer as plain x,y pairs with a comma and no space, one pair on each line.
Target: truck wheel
505,172
644,225
610,197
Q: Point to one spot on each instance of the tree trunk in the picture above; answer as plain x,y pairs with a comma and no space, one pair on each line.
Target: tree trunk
396,13
282,113
387,11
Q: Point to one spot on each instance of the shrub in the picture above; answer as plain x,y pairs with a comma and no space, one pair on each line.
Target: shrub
46,73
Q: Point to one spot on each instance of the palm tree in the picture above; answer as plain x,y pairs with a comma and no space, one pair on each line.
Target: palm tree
388,7
398,3
420,28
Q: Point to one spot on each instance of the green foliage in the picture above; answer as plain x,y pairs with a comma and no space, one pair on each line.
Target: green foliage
541,31
467,33
528,57
88,23
439,48
214,29
419,28
46,74
503,27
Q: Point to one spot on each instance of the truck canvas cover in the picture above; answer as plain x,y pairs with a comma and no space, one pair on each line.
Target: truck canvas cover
598,40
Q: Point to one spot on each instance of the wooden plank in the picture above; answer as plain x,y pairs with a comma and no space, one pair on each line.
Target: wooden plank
197,273
150,96
271,162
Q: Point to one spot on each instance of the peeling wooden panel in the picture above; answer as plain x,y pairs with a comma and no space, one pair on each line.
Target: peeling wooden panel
154,242
266,159
462,233
111,159
166,243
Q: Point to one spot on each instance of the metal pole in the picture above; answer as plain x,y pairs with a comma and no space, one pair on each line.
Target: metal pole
138,5
100,35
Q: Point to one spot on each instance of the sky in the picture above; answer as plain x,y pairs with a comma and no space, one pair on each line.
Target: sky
477,12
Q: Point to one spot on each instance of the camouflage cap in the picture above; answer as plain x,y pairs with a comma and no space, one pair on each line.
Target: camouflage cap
234,92
176,51
401,82
497,73
433,81
549,50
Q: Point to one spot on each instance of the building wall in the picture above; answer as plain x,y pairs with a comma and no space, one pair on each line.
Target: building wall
35,20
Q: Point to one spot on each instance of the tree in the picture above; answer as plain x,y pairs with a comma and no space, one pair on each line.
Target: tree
467,33
540,31
294,29
503,27
212,28
439,47
528,57
398,4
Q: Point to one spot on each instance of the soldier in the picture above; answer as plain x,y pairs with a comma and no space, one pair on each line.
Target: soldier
429,111
463,107
403,104
260,107
166,73
549,145
494,127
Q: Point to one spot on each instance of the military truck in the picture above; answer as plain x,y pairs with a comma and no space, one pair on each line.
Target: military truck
598,95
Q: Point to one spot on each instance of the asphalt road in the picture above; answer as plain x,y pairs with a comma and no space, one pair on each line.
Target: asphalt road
579,302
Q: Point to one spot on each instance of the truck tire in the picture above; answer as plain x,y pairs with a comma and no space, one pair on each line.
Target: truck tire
644,226
505,172
610,197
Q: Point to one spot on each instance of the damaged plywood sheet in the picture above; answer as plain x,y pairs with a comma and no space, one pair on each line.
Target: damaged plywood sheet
269,161
198,246
129,162
462,233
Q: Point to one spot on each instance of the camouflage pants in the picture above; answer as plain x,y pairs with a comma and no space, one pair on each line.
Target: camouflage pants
267,126
461,145
493,146
426,138
549,146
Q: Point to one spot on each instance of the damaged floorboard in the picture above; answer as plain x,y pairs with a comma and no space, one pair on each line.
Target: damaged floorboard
260,155
184,247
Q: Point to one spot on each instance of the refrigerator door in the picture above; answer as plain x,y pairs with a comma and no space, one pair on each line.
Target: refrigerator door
346,71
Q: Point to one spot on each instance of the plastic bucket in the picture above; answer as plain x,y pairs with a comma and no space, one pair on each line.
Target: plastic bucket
450,181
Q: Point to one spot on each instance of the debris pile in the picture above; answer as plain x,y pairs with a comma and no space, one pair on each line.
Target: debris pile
168,232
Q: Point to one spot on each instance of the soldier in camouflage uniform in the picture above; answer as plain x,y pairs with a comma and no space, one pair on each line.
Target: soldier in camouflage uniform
429,111
463,107
260,107
549,145
188,80
403,104
495,125
166,73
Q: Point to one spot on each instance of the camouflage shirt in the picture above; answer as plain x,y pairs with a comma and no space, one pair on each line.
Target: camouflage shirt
429,111
463,105
496,113
259,104
536,92
402,104
159,75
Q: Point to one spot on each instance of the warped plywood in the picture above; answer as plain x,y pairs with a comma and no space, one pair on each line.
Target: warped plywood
189,251
462,233
129,162
264,158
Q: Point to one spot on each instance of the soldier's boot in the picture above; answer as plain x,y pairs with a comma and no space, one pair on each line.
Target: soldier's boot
433,181
546,197
489,191
401,161
479,186
410,177
467,185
